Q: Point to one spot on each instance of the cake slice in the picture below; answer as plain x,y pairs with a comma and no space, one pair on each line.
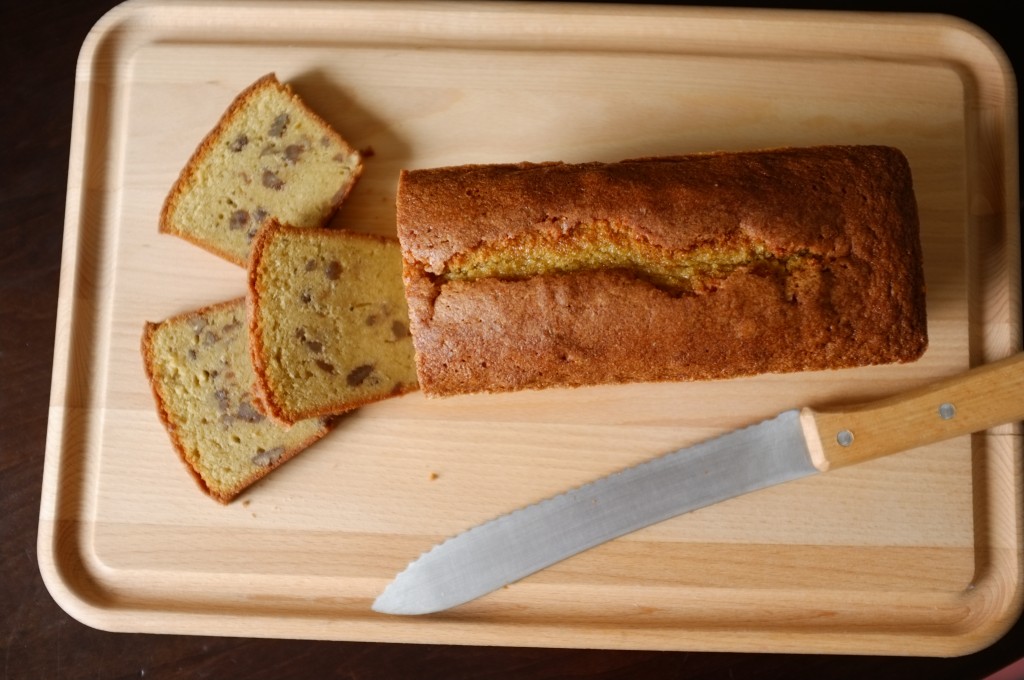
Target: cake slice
328,322
269,156
199,367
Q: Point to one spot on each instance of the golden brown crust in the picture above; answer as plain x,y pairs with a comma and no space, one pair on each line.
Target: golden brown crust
186,178
223,494
848,211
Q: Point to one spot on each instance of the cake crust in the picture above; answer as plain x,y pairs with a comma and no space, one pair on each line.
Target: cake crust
793,259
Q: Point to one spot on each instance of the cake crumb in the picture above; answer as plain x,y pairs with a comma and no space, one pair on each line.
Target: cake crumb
433,475
196,382
269,156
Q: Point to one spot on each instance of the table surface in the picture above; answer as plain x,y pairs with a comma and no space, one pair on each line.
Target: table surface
39,640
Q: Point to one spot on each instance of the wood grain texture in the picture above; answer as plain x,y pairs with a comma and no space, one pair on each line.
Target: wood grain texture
41,640
428,86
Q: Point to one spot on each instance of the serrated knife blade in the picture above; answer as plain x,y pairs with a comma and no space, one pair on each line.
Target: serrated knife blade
794,444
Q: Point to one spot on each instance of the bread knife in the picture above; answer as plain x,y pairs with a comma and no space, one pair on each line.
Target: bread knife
797,443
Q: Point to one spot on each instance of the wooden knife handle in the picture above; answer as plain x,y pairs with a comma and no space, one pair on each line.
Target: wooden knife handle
970,402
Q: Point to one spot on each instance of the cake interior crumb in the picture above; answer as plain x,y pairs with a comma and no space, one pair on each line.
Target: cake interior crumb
602,245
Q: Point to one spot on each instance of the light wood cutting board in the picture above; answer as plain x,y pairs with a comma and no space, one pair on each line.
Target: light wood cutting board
915,554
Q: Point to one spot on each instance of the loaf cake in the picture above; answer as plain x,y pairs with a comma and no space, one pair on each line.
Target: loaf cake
692,267
269,156
199,367
328,322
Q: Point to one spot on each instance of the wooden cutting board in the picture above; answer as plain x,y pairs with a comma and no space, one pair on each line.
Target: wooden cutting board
916,554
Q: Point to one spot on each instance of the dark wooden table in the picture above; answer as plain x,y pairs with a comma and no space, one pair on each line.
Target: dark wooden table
38,640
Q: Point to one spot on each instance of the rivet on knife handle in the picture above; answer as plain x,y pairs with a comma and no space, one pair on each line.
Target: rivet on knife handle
970,402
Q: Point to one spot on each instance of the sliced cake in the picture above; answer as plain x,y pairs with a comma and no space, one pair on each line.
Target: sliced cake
269,156
328,322
199,367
